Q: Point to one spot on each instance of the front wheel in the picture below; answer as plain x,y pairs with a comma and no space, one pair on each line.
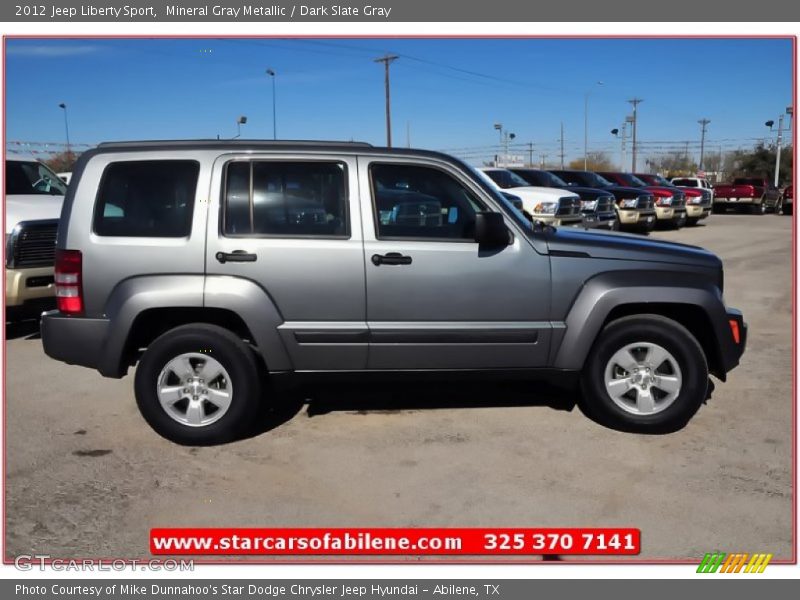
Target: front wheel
681,220
645,373
198,385
779,206
760,208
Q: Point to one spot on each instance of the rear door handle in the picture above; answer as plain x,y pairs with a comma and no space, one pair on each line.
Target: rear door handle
391,258
235,256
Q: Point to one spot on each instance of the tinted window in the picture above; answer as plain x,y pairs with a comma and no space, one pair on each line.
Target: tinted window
152,198
499,177
285,199
685,182
421,202
31,177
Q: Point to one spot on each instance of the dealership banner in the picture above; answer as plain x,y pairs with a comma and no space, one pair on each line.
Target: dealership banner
397,11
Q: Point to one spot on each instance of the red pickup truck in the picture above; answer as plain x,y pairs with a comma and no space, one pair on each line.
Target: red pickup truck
757,194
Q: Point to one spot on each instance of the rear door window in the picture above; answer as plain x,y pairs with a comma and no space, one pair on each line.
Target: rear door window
149,198
286,198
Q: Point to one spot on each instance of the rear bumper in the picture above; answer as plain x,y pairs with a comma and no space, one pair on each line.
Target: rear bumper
78,341
737,200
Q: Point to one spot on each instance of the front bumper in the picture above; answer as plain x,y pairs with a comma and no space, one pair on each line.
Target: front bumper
731,349
697,211
629,216
602,220
665,213
559,220
27,285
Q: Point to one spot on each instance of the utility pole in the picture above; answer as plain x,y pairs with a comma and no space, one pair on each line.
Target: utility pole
408,134
778,150
543,157
635,102
530,154
387,60
562,146
703,123
63,106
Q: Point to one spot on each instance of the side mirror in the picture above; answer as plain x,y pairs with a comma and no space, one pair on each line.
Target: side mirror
491,230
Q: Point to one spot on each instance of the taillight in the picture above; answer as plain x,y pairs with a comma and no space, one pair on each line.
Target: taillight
68,276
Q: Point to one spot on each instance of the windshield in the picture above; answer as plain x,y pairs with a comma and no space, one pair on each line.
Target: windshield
586,178
686,182
660,180
542,178
631,180
31,177
516,180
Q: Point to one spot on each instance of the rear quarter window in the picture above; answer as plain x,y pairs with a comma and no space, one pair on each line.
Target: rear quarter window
149,198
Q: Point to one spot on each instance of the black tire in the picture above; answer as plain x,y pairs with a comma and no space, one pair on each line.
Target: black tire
227,349
681,221
778,209
759,209
718,208
692,221
652,329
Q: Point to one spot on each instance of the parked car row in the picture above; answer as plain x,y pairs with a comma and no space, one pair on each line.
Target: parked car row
608,200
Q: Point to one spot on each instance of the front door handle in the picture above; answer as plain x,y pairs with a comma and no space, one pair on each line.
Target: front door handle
391,258
235,256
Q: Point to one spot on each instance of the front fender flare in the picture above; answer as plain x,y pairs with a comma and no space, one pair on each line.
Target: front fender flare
603,293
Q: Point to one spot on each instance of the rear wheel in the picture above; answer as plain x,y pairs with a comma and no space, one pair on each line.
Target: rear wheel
645,373
198,385
779,206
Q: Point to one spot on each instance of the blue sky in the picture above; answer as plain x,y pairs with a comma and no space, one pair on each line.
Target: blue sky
447,92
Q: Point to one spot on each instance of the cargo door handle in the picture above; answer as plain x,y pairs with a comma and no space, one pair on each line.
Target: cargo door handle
235,256
392,258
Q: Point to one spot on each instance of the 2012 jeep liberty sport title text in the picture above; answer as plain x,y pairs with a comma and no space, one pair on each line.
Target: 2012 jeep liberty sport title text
218,266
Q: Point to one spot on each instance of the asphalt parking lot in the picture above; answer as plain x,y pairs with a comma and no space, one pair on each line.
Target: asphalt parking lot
86,477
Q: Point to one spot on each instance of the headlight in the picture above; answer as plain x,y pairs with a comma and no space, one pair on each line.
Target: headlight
630,203
696,200
664,201
546,208
589,204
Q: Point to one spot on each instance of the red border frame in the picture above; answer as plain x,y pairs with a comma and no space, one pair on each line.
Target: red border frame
432,560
